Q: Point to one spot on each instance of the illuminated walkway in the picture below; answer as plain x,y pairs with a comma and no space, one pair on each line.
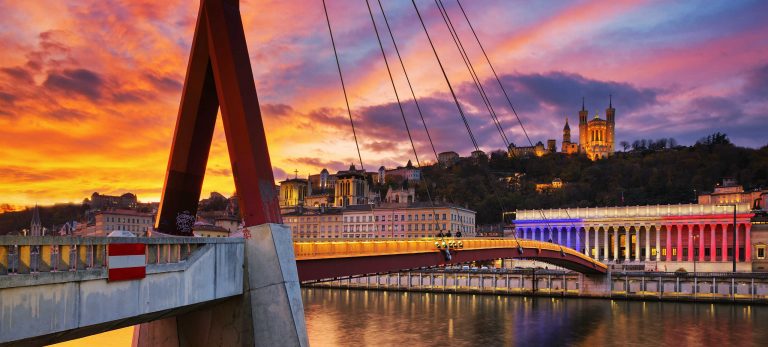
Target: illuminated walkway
329,259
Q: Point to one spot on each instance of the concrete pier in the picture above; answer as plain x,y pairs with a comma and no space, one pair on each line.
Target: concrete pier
268,313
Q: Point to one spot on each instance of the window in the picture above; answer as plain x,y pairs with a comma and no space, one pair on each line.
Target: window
443,216
761,252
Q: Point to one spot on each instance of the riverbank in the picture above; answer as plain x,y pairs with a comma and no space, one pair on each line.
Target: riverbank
739,288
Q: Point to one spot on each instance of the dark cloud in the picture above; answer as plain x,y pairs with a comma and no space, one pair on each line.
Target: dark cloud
52,52
19,74
278,173
333,117
319,162
6,98
380,146
756,86
18,174
66,114
276,110
130,97
77,81
164,83
220,171
541,99
563,92
711,108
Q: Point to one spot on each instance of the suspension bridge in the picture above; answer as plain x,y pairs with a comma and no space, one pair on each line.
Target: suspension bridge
185,291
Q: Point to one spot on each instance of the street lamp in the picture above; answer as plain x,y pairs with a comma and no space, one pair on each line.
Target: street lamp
734,233
695,242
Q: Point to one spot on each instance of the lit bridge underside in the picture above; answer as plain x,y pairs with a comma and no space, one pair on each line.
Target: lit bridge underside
330,259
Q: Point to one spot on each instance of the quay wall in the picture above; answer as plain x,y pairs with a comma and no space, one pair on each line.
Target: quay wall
664,286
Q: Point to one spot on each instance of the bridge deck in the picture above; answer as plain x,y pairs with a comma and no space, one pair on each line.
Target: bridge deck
327,259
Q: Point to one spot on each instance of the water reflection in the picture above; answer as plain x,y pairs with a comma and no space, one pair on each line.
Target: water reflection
354,318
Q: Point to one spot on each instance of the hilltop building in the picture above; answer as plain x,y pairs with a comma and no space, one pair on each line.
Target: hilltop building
596,137
729,192
448,159
105,222
104,202
344,188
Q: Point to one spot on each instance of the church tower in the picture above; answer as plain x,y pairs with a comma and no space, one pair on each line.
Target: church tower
610,114
566,132
583,133
36,227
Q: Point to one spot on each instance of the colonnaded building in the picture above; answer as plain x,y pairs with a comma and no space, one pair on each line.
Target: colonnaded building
695,237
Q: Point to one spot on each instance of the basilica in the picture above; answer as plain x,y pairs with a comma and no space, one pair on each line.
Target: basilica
596,137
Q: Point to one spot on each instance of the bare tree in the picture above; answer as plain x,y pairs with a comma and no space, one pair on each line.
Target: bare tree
624,144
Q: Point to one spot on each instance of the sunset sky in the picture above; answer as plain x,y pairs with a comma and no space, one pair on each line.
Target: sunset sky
89,90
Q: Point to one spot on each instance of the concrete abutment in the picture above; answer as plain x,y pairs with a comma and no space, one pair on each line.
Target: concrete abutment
268,313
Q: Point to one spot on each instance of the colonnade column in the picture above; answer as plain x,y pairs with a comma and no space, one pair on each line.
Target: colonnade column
736,245
597,244
628,244
701,243
637,244
679,246
586,242
647,244
658,243
605,244
691,246
712,243
616,244
747,243
559,236
668,257
568,238
725,242
578,239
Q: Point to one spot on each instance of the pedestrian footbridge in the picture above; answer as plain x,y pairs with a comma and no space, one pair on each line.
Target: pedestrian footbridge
54,289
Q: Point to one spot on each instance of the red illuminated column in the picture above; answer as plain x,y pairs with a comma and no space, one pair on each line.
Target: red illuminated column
736,246
701,242
725,242
747,243
679,245
712,243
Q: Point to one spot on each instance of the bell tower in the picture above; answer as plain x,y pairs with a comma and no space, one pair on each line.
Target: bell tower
610,114
583,134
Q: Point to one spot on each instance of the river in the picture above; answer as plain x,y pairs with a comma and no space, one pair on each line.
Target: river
342,317
339,317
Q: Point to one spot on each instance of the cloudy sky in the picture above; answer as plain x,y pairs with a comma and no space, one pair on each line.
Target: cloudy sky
89,90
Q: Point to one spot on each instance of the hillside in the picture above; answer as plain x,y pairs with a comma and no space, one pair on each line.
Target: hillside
668,176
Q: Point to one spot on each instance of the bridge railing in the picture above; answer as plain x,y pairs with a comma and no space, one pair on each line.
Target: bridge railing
316,249
41,254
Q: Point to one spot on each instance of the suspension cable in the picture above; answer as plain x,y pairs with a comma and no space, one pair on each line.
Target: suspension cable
471,69
506,95
407,79
453,94
402,112
343,87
